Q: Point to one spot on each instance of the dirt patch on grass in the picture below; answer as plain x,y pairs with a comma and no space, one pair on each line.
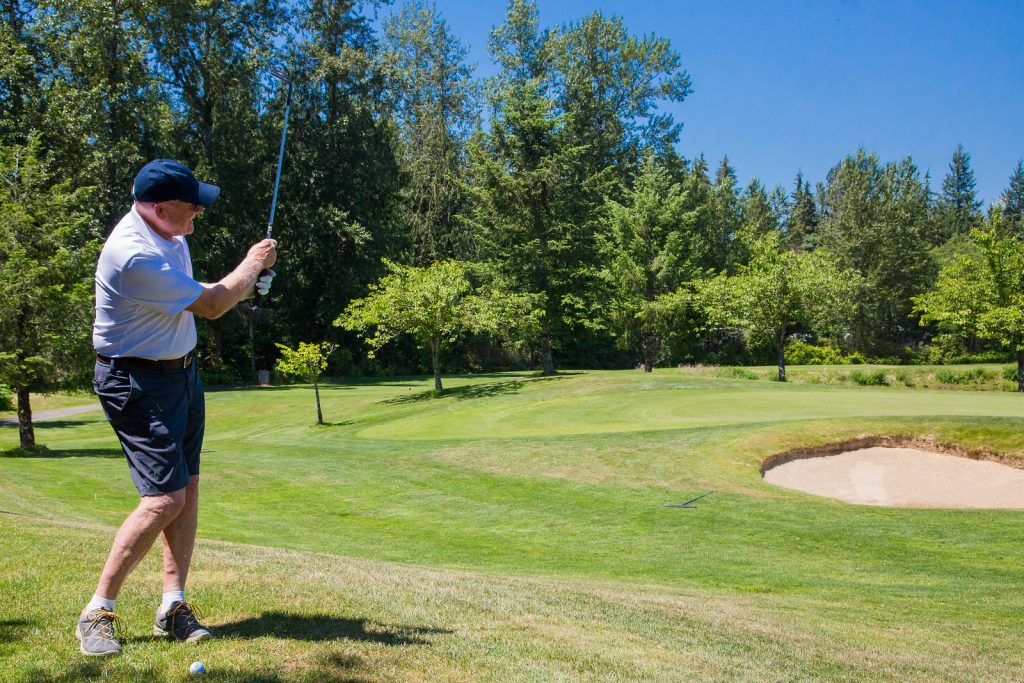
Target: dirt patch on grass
902,472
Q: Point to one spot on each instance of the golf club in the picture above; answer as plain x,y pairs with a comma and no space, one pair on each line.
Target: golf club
284,77
689,503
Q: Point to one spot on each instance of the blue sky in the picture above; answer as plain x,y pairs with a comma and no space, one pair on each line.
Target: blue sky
782,86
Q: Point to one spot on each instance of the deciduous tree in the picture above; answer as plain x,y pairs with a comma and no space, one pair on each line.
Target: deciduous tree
779,290
981,292
308,361
435,305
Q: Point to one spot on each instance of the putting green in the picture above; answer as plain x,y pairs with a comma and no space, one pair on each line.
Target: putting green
581,404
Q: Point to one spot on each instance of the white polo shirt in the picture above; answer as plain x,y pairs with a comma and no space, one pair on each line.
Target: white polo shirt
143,284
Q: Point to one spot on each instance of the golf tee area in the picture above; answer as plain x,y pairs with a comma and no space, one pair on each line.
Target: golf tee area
514,528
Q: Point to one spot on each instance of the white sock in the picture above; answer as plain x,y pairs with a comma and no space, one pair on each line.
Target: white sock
99,602
169,598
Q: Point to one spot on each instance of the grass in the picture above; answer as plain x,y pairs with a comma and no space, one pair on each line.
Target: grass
514,529
978,377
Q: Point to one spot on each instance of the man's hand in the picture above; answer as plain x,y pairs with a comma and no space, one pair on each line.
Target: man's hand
265,252
264,281
220,297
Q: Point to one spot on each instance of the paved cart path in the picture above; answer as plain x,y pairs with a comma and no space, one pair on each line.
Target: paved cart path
44,415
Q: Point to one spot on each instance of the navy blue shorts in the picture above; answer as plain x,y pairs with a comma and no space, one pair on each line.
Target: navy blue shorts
159,419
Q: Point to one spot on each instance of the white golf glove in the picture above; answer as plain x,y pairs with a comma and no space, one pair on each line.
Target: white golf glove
264,281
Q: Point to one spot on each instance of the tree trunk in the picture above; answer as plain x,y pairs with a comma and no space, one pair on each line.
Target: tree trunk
646,347
435,353
546,358
319,414
1020,370
26,432
780,355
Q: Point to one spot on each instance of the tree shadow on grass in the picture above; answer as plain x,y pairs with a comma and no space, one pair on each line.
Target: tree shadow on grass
324,387
472,391
43,452
328,423
44,423
88,670
323,627
96,671
12,630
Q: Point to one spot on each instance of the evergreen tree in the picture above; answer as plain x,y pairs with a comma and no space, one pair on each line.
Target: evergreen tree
105,118
529,190
524,174
339,209
1013,202
873,220
708,248
210,58
47,263
958,206
434,101
727,218
647,252
22,72
611,84
803,216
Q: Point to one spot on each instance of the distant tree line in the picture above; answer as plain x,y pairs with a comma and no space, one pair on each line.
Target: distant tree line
557,180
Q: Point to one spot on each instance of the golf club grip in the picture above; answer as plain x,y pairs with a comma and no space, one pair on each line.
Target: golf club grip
258,299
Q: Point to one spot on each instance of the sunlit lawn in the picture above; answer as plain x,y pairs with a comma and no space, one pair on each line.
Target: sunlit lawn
515,529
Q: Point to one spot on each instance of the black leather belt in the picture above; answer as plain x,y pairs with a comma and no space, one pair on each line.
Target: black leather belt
162,366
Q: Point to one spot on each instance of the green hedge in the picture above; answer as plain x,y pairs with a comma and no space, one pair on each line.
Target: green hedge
971,376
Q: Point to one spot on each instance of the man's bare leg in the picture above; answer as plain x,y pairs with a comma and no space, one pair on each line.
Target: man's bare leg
136,537
179,539
177,617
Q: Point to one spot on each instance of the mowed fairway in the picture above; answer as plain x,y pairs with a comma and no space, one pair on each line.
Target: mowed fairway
514,530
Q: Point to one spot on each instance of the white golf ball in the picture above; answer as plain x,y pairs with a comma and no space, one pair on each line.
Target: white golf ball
197,668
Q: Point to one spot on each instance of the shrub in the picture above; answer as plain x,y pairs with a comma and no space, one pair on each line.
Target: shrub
799,352
219,376
877,378
731,372
971,376
1010,373
7,400
905,377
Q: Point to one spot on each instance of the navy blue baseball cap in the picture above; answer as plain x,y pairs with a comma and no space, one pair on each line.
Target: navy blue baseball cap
162,180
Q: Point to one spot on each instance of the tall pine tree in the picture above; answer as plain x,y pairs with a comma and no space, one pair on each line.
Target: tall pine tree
959,208
434,101
1013,202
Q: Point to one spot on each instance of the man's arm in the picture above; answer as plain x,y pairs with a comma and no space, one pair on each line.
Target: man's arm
220,297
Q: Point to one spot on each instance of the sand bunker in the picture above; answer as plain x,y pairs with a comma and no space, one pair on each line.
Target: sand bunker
904,477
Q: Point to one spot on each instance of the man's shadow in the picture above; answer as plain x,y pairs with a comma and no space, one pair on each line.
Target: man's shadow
322,627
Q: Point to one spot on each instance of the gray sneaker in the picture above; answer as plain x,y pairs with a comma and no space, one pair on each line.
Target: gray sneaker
95,630
182,623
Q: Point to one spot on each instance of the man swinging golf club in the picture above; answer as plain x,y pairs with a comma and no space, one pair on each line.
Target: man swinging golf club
146,380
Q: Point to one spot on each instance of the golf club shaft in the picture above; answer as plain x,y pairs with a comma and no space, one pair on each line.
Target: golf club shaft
277,183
